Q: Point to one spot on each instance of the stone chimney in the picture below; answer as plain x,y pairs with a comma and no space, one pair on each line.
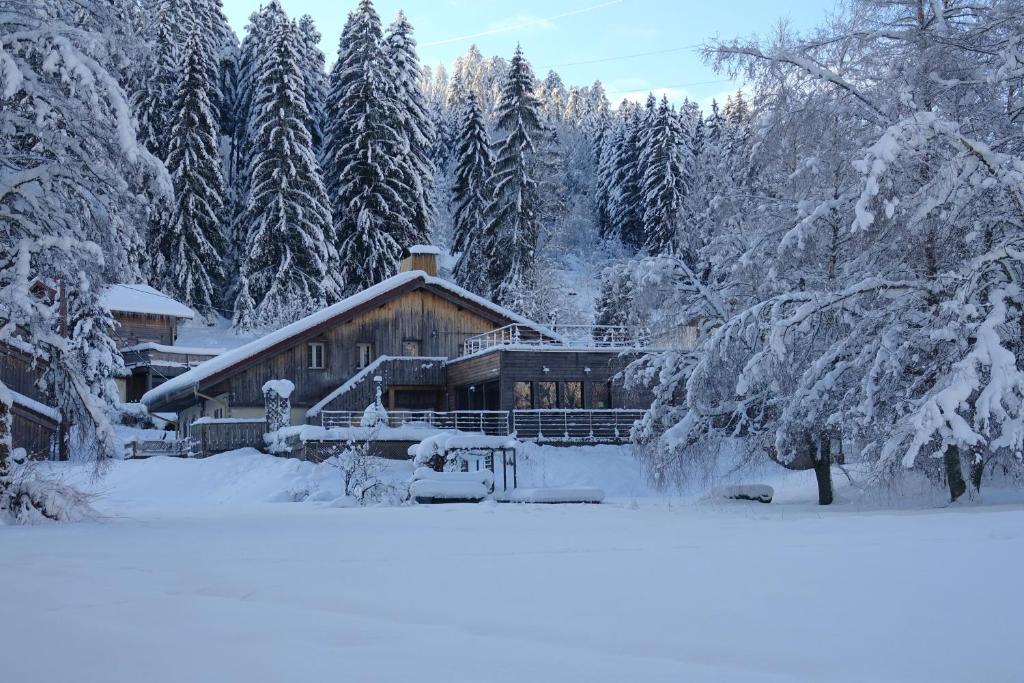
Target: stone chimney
421,257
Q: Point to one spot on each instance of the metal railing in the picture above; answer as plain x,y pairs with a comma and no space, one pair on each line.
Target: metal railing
174,448
599,426
494,422
562,336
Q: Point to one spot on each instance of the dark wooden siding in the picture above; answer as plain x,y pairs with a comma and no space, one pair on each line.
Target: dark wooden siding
400,372
568,366
441,326
136,328
34,433
471,372
19,372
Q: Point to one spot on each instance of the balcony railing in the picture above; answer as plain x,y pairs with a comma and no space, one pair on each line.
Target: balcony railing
494,422
560,336
597,426
568,425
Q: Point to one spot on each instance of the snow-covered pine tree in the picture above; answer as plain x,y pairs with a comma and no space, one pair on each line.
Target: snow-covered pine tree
552,96
91,350
287,216
471,197
607,165
666,180
417,124
625,203
254,47
153,102
190,245
365,161
512,222
315,79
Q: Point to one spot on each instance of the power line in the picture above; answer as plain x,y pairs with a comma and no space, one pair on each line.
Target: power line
665,87
522,24
612,59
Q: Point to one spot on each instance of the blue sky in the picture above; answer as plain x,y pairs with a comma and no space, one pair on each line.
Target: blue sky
561,33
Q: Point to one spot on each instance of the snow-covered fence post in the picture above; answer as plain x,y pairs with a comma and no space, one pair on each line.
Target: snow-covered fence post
277,397
6,401
375,415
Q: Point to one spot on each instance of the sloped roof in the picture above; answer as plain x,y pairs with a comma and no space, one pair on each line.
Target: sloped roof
140,298
225,363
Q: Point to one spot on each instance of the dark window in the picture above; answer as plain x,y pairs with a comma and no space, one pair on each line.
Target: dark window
315,356
523,394
601,395
572,395
462,398
546,394
492,396
364,355
411,347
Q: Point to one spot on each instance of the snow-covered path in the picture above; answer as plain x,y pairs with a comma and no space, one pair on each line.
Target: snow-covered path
289,592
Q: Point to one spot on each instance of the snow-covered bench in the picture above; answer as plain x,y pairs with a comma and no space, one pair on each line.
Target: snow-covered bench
760,493
547,495
429,486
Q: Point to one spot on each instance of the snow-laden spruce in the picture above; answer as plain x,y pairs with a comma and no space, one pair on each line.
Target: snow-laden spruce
190,243
471,196
512,223
285,263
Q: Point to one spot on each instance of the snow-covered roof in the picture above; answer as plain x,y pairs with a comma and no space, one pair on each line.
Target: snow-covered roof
35,406
425,249
227,360
183,350
140,298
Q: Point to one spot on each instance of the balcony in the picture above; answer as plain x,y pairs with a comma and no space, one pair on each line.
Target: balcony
560,337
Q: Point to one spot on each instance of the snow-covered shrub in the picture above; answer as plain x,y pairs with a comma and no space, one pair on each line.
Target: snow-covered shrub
32,497
361,473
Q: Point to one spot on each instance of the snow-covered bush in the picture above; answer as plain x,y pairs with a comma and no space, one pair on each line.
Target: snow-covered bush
361,473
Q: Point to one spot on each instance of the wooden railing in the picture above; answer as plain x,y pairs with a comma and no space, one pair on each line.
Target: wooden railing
560,336
218,435
493,422
174,448
593,426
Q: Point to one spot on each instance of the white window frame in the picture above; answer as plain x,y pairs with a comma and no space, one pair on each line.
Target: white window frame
316,356
364,355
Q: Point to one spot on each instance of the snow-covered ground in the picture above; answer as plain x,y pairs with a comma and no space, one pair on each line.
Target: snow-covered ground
191,573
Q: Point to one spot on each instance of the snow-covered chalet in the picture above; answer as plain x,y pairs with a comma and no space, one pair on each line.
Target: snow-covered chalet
430,352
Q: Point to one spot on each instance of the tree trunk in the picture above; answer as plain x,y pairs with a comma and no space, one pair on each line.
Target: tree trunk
976,470
823,469
954,473
5,445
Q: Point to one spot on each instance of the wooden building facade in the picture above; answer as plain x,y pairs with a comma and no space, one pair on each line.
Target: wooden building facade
427,344
34,424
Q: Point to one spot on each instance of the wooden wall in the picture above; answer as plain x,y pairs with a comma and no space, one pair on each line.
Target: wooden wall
440,326
399,372
19,373
35,434
136,328
562,366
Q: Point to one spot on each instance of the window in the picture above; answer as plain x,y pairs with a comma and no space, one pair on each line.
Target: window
601,395
546,394
315,356
218,413
491,396
572,395
411,347
364,355
523,395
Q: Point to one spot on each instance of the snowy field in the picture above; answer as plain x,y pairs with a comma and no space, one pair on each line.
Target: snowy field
192,574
